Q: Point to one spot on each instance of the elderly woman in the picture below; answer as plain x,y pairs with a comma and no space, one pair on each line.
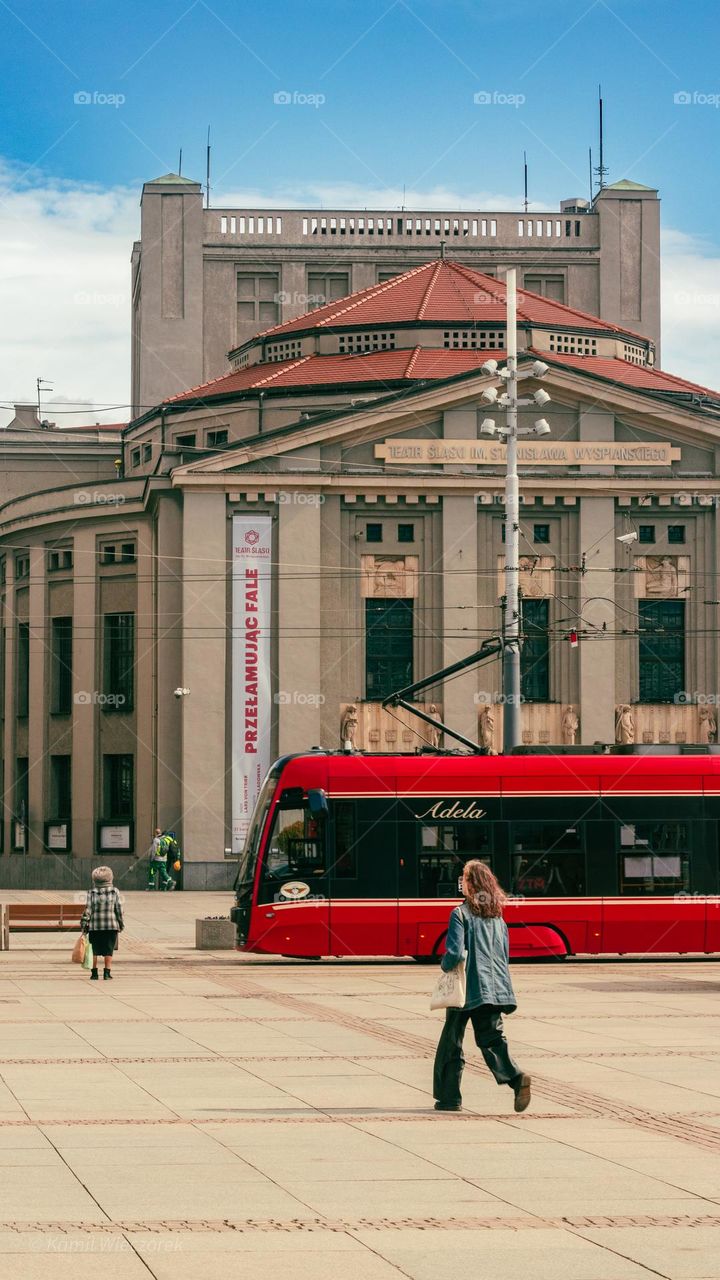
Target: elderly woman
477,927
102,919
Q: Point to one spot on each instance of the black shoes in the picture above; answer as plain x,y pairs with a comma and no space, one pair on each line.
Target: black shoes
93,975
448,1106
106,974
521,1089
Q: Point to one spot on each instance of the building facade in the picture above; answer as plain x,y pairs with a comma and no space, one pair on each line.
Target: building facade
205,281
288,544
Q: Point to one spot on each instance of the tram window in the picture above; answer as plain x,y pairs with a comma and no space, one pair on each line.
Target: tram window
295,845
445,848
345,861
547,860
654,857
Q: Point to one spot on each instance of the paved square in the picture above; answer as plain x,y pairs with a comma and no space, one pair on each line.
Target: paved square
214,1114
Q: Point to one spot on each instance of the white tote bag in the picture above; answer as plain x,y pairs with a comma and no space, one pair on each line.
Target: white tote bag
450,989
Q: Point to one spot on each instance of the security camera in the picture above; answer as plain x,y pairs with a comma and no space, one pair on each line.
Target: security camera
488,427
541,397
627,538
181,693
489,395
541,427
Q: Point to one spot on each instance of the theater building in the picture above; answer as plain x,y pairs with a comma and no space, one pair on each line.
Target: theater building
289,543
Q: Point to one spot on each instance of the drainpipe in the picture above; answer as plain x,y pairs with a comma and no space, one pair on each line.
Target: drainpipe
261,397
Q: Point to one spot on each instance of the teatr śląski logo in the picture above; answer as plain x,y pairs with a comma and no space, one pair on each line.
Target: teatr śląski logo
252,536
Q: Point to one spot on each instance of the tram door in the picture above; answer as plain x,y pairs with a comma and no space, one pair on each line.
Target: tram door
363,878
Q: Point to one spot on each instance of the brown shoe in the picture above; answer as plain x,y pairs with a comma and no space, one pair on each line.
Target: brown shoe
521,1089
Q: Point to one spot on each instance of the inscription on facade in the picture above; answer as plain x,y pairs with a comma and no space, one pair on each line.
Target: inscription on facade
562,453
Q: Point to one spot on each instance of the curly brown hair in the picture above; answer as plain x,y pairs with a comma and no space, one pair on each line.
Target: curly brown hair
485,897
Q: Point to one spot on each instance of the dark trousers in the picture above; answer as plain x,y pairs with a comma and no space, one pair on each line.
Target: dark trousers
490,1040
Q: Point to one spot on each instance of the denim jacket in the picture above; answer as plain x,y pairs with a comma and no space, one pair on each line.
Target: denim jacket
486,965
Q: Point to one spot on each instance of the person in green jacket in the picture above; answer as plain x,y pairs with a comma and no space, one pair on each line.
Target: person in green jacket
478,929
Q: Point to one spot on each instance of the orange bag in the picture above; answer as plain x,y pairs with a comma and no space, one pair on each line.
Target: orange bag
78,951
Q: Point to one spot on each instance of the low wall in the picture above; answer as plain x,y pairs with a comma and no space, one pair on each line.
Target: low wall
54,872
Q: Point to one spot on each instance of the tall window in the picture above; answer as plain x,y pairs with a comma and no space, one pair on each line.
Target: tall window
60,786
388,646
21,789
119,661
549,286
661,649
23,668
257,299
535,653
118,786
327,286
61,657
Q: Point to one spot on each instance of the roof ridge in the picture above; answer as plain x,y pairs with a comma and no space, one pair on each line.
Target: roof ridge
361,295
286,367
427,294
412,361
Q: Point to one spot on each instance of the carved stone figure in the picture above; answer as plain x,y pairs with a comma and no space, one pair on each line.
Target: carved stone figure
531,577
661,576
389,579
348,729
624,724
708,725
487,728
434,735
569,726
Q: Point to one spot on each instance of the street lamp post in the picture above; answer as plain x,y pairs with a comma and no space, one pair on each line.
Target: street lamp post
510,432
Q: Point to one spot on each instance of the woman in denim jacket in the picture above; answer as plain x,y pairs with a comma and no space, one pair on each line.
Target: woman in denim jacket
477,927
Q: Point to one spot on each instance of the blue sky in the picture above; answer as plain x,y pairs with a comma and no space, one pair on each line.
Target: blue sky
396,79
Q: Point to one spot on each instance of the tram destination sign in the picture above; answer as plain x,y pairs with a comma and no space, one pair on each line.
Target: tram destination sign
532,453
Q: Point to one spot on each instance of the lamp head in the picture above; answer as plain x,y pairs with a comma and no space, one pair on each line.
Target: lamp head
489,395
538,369
541,427
490,367
488,427
541,397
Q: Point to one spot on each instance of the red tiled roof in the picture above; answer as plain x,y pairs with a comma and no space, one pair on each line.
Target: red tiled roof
440,292
418,364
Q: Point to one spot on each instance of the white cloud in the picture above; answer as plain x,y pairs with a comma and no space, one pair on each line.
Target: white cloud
354,195
691,308
65,285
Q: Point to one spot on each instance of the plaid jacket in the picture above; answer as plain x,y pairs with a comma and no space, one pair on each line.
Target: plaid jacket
103,909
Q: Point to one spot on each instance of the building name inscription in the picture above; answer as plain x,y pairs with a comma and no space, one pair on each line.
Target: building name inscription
565,453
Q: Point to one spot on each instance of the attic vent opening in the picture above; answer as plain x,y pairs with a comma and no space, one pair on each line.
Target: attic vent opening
573,344
633,354
288,350
474,340
353,342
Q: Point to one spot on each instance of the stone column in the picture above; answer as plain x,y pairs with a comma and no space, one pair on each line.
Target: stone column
299,686
10,677
204,602
145,645
596,658
168,655
460,587
37,762
86,634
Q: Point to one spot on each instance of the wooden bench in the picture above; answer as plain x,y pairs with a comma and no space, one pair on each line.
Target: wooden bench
27,917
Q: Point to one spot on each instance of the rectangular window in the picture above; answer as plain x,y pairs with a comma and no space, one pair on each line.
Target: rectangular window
548,286
135,457
444,850
535,653
646,533
661,649
547,859
373,533
60,786
107,553
187,441
676,533
118,786
119,662
654,857
23,669
61,658
541,533
344,865
147,452
327,286
257,299
388,647
406,533
21,791
217,439
127,553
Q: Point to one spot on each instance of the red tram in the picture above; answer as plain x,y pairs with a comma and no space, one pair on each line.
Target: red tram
361,855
